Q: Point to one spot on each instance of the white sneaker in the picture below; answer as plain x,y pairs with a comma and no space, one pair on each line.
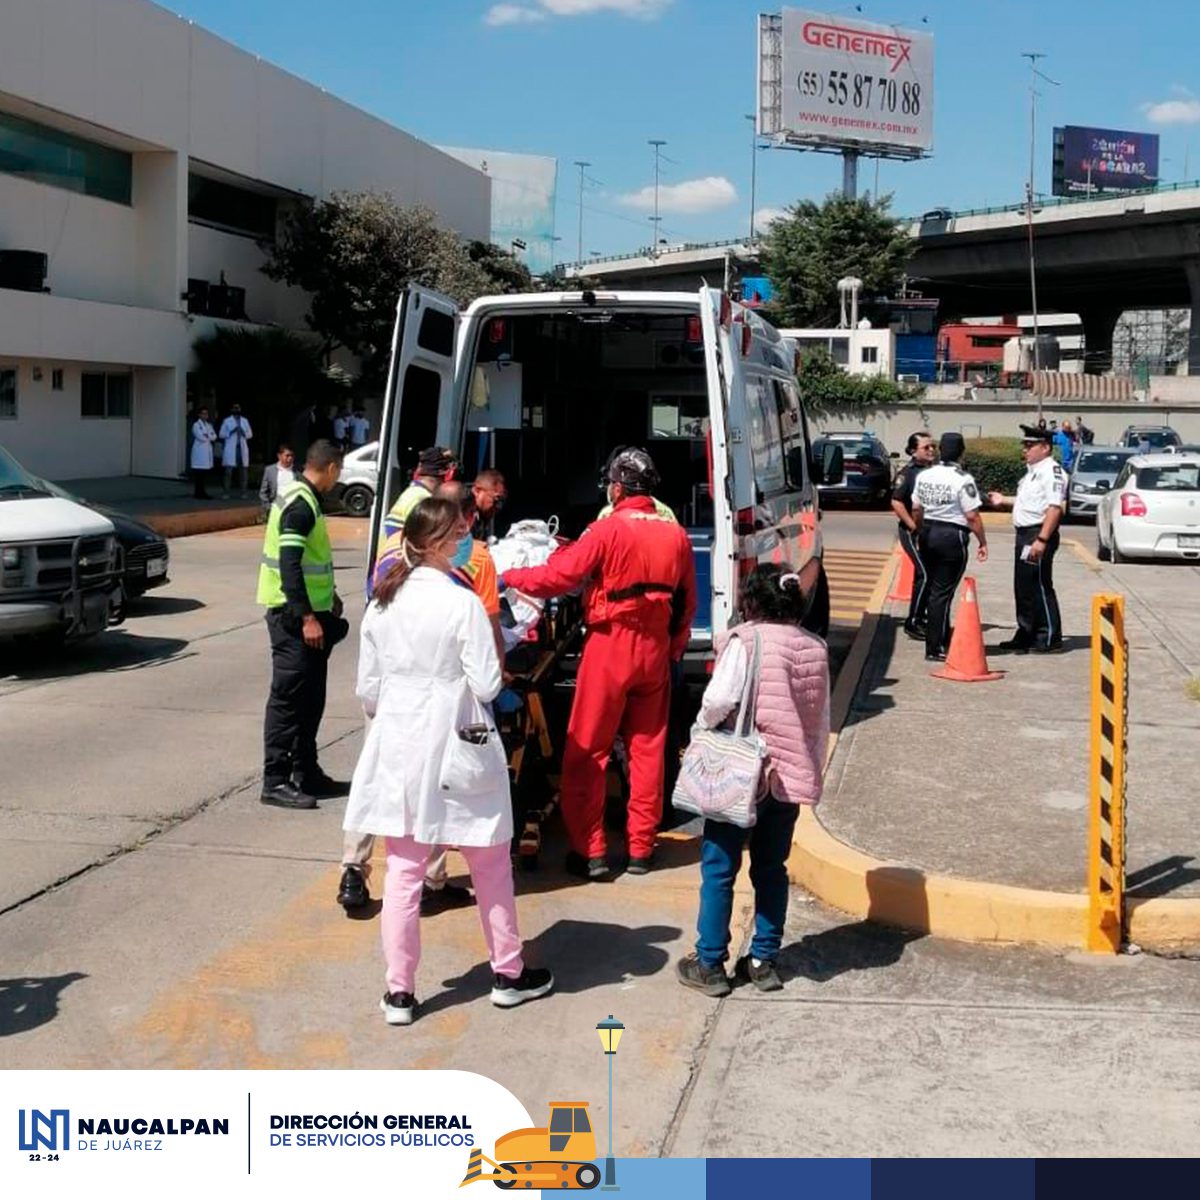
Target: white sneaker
532,984
398,1008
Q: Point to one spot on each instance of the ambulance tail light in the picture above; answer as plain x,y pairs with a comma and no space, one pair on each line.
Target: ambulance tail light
693,331
726,311
1132,505
747,338
743,522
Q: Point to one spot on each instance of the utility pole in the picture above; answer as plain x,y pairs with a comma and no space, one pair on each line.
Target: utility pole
753,119
582,167
658,144
1034,76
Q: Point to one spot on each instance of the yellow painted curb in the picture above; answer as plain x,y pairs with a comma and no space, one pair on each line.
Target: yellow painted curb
966,910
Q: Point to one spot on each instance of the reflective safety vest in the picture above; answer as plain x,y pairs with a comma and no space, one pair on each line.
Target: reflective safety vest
316,561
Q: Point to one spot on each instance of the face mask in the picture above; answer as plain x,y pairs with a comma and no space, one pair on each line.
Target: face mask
462,552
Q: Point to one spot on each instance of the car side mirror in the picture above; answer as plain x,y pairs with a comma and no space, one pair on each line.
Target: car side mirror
830,468
1103,485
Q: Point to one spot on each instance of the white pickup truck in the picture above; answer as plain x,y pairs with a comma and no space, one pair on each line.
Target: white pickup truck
58,561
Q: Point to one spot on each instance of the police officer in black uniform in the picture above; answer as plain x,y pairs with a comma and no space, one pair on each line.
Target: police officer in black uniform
922,454
946,505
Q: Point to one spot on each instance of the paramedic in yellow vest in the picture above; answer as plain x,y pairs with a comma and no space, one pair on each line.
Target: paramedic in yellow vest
304,622
435,466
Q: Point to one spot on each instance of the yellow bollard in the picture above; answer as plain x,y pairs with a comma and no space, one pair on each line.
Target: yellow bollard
1106,837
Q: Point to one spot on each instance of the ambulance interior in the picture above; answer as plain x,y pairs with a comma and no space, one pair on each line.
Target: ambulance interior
550,394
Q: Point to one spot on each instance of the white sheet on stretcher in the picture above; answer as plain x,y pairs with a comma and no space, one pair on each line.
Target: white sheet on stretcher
526,544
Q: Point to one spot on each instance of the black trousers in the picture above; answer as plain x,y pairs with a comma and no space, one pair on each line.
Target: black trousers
918,606
297,700
944,556
199,479
1039,622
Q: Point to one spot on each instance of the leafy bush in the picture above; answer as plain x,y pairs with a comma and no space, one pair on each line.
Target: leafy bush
995,462
828,390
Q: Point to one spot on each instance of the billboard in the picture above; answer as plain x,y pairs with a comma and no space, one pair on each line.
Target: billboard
523,198
1103,160
846,83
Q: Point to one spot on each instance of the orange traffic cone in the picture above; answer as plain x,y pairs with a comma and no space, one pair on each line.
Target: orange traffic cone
903,589
967,661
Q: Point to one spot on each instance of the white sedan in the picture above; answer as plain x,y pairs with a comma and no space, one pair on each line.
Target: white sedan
1152,510
360,480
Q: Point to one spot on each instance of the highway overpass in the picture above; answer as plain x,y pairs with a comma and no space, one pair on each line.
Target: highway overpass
1095,257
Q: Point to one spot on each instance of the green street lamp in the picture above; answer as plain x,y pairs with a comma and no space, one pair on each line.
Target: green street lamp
610,1032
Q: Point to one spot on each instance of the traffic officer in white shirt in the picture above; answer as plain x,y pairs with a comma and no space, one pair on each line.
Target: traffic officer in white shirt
945,505
1037,510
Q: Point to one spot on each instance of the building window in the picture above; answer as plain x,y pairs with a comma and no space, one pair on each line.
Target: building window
8,394
233,209
49,156
870,354
56,379
103,395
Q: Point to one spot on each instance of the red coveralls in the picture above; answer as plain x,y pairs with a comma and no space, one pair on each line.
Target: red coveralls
639,605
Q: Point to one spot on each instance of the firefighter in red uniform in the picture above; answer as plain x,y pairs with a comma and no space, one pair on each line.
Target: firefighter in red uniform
638,607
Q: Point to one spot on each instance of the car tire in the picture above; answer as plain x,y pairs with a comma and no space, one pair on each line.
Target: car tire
1102,551
357,501
1117,556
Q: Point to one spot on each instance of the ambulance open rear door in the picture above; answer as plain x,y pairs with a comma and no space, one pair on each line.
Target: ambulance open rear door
420,387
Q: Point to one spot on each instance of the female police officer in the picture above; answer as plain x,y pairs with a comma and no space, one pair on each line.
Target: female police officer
946,505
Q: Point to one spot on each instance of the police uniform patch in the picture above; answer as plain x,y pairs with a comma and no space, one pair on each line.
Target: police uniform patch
971,490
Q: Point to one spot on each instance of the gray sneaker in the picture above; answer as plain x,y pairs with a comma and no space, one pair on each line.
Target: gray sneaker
765,976
712,981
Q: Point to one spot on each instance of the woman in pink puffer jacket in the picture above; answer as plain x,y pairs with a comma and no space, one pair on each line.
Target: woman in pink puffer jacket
792,716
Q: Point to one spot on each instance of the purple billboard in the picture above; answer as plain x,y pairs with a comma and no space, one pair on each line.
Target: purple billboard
1089,161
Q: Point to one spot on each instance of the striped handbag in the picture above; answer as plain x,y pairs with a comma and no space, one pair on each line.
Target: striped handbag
720,777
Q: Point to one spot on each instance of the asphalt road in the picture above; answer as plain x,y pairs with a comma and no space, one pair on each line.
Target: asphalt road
153,914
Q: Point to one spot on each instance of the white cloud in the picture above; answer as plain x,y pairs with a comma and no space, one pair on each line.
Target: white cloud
512,14
691,196
764,216
1183,110
540,10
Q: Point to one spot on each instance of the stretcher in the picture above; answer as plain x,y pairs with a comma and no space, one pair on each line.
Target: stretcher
533,764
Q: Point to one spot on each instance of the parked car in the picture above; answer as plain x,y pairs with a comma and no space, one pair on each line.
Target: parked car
1185,449
356,489
58,561
1156,437
1153,509
1095,470
142,555
867,468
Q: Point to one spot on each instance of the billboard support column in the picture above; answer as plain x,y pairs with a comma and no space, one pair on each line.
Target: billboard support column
1191,267
850,174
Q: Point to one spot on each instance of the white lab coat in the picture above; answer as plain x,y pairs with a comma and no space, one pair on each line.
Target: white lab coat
235,442
203,436
416,659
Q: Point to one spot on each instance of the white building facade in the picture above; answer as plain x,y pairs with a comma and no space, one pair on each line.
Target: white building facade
856,351
142,161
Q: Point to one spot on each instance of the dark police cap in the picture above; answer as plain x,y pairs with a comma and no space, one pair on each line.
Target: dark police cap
437,460
1031,435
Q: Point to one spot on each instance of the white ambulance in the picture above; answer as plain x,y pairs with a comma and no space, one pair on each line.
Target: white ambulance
543,386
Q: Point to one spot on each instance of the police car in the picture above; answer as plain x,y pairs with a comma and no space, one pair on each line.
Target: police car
543,387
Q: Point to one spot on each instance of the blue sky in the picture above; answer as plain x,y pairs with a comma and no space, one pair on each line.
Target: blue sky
594,79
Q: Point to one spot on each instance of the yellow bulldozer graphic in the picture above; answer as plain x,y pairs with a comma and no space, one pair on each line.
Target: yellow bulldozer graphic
557,1157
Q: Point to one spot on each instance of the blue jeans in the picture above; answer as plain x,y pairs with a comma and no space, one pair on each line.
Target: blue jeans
770,842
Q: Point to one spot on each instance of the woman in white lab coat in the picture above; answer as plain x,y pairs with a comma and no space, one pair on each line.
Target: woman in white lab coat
432,771
201,461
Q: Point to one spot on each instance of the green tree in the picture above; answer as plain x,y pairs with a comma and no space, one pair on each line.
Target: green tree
356,251
828,390
806,252
271,373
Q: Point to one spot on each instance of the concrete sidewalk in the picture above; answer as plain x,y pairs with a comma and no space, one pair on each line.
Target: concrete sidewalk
167,505
989,781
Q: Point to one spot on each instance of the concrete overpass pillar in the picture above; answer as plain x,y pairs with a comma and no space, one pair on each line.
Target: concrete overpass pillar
1191,268
1098,326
